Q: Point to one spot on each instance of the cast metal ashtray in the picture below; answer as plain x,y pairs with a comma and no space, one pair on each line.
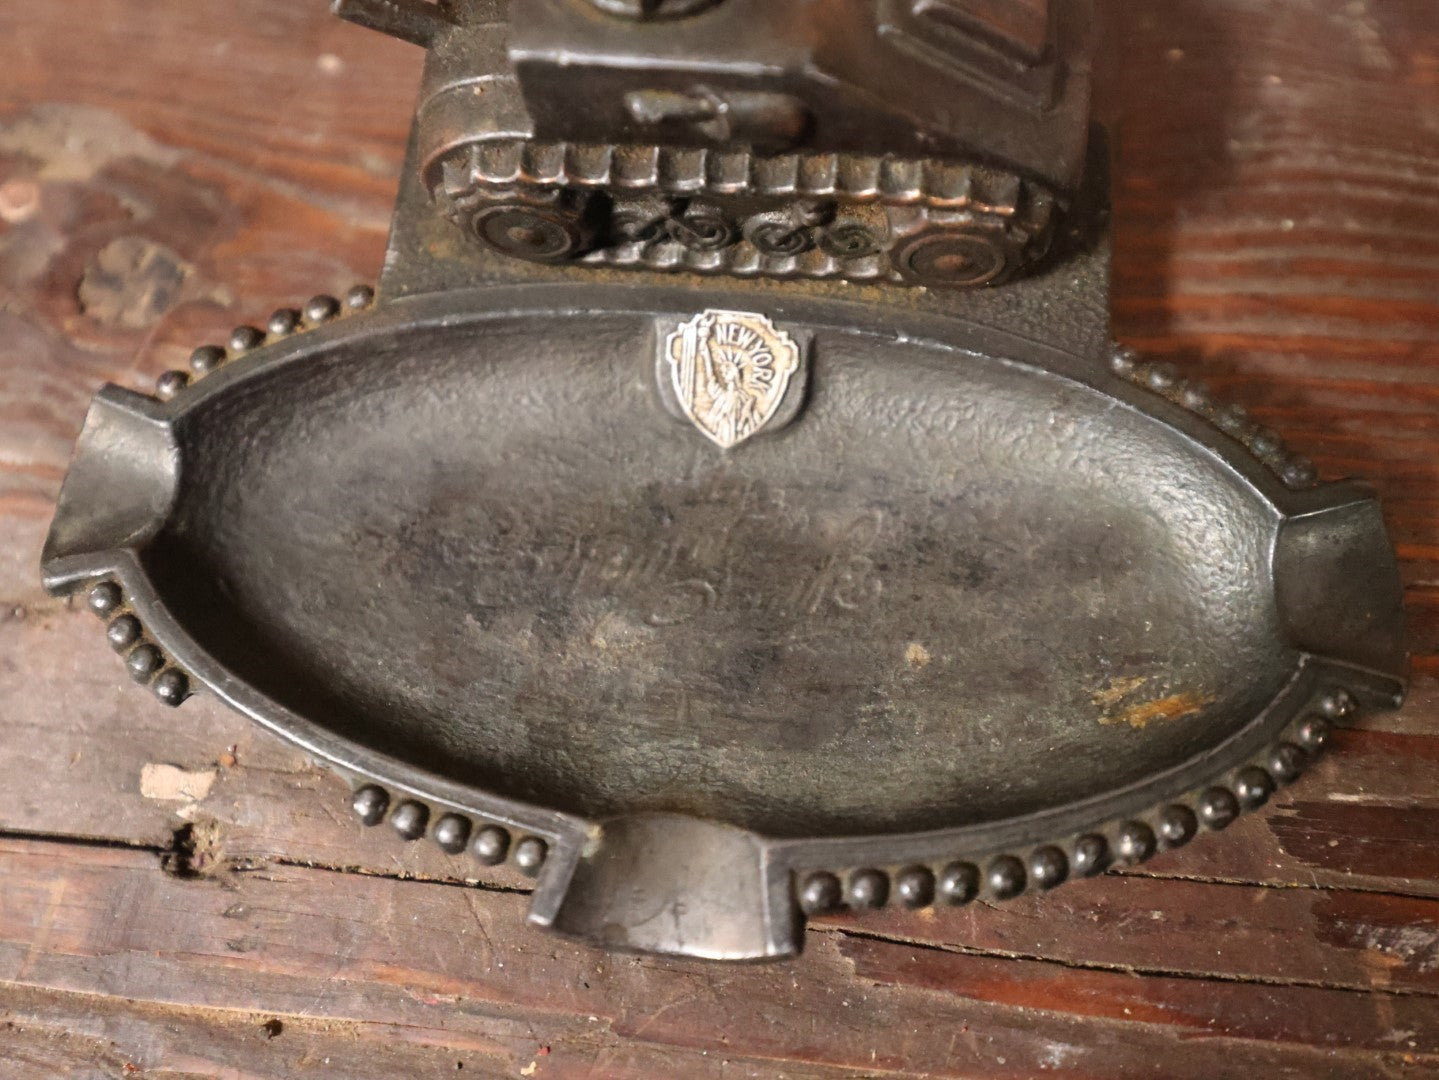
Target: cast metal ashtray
716,601
946,621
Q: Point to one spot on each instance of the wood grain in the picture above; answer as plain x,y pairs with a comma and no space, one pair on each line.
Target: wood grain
168,170
294,940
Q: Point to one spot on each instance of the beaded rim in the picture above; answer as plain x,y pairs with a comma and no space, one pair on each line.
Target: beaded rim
913,870
1128,841
998,875
284,323
1263,444
144,659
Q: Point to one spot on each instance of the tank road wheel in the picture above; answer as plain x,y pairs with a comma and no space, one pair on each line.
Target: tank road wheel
950,258
638,221
540,234
849,240
702,229
780,238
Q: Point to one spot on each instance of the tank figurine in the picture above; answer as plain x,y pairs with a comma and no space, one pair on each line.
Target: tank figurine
924,142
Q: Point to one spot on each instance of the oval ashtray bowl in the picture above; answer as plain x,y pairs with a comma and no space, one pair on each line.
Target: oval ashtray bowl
899,610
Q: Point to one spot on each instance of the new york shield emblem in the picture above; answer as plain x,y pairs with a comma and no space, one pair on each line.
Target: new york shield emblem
730,370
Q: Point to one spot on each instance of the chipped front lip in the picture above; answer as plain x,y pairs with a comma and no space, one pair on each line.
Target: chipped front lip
121,490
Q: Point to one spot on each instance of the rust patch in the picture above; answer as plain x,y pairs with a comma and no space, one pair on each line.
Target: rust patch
1117,690
1137,715
916,655
1166,708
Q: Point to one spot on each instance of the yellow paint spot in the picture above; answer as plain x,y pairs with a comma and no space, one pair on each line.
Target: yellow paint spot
916,655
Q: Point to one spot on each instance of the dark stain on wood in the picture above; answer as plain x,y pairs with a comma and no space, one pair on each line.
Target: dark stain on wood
131,282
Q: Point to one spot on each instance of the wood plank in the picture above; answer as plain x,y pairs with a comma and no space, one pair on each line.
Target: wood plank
87,733
253,153
71,1036
315,944
82,1036
1276,224
1138,925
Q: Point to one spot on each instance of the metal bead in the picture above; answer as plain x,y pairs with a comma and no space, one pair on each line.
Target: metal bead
361,296
168,385
1338,704
1177,826
1123,360
1005,877
530,855
206,359
321,309
867,889
1217,807
1135,842
1091,855
245,338
1048,866
821,893
648,10
123,632
410,819
172,686
914,885
370,803
1313,733
1253,786
144,661
452,833
959,883
1286,761
283,322
104,598
1196,396
1161,377
491,845
1299,472
1264,442
1233,418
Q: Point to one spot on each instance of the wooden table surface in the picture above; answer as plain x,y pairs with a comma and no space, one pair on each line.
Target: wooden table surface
181,896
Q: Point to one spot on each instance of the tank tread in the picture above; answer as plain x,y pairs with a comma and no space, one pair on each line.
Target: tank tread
815,215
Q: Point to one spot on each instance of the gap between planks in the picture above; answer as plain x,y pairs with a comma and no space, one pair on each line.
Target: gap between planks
814,927
1114,969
